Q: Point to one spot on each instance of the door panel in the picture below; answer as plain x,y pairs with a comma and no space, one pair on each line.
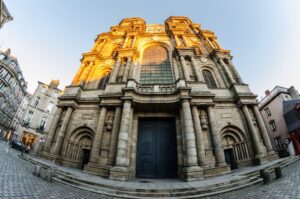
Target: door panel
156,149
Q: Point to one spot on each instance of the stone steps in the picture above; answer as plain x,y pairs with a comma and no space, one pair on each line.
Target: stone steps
192,192
240,180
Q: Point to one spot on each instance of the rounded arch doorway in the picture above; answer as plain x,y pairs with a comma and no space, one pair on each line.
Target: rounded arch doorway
235,145
79,146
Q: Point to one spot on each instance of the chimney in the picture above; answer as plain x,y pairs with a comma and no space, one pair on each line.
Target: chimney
54,84
7,52
294,93
267,92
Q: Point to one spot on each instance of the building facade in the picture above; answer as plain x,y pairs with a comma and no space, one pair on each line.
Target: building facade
39,114
5,16
12,91
17,120
157,101
272,108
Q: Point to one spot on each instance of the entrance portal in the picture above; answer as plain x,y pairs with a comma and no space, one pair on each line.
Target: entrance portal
156,149
86,157
229,158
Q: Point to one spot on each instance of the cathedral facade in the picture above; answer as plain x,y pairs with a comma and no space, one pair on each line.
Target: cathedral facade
157,101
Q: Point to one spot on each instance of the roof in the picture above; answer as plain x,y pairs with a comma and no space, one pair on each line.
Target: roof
291,115
273,94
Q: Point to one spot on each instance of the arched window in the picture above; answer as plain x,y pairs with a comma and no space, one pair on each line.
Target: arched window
104,81
209,79
156,67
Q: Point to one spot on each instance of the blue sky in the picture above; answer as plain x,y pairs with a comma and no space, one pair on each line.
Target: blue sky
48,37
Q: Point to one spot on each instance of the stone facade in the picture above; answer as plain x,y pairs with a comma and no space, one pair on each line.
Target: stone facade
39,114
13,89
139,72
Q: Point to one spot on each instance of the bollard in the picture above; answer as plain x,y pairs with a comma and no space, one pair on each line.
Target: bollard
278,172
37,170
265,176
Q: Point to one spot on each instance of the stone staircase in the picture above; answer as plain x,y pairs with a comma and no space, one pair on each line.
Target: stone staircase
197,189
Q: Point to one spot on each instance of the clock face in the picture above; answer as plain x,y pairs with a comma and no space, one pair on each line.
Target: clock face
203,59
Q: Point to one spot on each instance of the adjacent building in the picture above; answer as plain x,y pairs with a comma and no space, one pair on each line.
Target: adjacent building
158,101
39,114
273,107
5,16
12,91
17,120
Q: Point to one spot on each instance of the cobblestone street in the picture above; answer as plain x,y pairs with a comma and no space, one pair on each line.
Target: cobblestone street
17,181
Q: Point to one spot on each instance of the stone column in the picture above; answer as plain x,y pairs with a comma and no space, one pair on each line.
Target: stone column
185,40
228,72
78,74
53,129
132,70
253,132
122,159
114,137
98,136
85,74
137,71
175,69
184,68
263,130
62,132
196,69
216,140
177,40
199,136
126,72
240,80
192,159
115,71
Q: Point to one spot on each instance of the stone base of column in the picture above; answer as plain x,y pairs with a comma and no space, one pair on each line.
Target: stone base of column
192,173
96,169
219,170
121,173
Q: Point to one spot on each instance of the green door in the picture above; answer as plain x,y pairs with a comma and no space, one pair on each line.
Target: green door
156,149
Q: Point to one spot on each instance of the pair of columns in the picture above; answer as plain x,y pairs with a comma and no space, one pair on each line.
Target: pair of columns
121,130
56,149
83,73
95,152
254,133
116,69
233,76
195,67
215,136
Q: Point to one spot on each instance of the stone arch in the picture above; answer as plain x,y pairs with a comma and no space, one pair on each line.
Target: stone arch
104,76
214,74
80,140
234,138
98,75
154,43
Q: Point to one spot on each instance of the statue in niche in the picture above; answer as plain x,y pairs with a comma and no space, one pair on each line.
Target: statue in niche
109,122
203,120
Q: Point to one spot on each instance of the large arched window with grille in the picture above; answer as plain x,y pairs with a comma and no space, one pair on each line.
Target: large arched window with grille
156,66
209,79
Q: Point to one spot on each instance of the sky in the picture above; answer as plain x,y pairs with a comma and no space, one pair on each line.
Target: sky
48,37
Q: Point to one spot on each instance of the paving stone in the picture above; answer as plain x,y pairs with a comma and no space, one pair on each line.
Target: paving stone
17,181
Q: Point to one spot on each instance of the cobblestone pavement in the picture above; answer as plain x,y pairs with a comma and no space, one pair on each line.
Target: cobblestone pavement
287,187
17,181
